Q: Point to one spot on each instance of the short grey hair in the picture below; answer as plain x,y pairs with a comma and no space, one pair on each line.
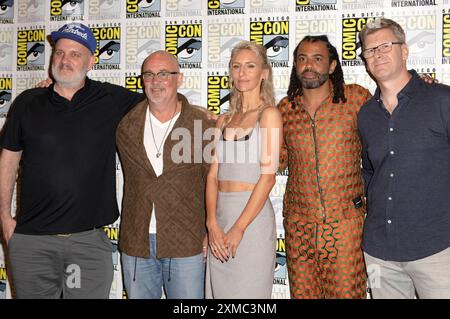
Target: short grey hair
382,23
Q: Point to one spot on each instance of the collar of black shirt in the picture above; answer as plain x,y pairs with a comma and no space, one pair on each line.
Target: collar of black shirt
409,89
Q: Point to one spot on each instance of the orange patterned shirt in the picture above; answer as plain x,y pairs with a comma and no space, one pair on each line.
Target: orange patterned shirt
323,156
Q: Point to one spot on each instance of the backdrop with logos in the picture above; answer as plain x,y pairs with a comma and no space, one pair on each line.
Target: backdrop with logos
201,34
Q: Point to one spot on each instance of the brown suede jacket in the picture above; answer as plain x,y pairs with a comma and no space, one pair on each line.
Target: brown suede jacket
178,194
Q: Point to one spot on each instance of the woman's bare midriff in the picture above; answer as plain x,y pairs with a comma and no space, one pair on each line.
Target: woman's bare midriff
231,186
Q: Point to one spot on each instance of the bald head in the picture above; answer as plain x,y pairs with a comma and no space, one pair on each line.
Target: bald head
161,87
162,56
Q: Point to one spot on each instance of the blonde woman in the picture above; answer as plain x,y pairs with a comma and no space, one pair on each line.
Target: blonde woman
240,217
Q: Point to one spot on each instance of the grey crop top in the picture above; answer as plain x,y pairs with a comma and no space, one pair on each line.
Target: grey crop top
239,160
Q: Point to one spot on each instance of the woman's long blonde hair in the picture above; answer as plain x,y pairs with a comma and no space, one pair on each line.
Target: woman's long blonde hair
266,87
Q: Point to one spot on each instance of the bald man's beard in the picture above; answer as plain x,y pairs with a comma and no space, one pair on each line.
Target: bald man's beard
313,83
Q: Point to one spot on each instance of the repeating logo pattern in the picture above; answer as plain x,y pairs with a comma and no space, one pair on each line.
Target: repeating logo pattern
141,40
274,36
104,9
6,11
30,10
67,10
143,8
133,82
3,279
420,32
351,45
107,55
315,5
6,49
201,35
185,42
5,94
30,49
219,7
218,93
222,36
269,6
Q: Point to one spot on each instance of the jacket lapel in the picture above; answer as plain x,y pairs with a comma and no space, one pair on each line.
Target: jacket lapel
136,125
135,132
169,144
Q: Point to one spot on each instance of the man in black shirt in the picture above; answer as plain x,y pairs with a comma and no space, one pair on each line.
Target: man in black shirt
405,130
64,136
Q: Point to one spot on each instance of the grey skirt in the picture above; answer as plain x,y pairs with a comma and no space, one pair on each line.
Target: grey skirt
250,274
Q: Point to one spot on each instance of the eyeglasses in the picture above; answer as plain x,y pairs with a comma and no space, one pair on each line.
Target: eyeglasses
382,48
162,75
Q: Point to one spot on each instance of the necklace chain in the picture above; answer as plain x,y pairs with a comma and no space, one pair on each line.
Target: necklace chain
254,109
244,114
158,149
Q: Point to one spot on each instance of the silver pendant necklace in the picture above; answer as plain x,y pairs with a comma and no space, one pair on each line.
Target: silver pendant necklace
158,149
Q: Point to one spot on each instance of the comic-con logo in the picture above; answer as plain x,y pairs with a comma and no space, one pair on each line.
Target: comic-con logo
191,87
5,95
3,278
217,7
104,9
62,10
6,11
30,11
351,45
133,82
113,77
143,8
222,37
30,49
6,47
26,80
403,3
420,29
185,42
444,76
113,235
446,38
361,77
274,35
141,40
182,8
269,6
317,24
362,4
280,263
427,71
280,82
107,54
315,5
218,93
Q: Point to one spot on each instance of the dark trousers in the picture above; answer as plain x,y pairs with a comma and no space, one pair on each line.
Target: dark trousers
70,266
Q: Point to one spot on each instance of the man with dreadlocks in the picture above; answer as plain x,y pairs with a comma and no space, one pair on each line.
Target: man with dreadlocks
323,203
